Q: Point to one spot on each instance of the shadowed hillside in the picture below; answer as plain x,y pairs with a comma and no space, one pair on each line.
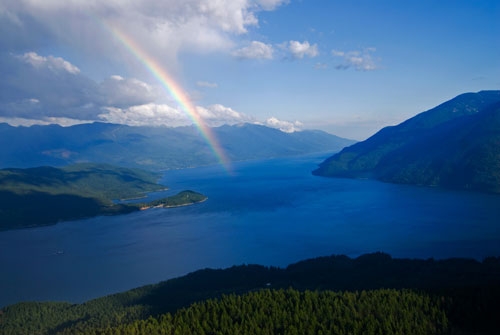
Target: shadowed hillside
455,145
459,295
46,195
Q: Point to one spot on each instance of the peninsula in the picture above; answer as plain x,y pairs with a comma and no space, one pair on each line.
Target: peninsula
184,198
46,195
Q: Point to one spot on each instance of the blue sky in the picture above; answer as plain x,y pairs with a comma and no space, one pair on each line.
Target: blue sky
345,66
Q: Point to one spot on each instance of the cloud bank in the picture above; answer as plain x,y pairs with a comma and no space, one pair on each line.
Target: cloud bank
41,89
164,28
45,89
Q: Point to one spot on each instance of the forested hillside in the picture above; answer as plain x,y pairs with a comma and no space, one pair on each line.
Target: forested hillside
46,195
101,181
324,295
298,313
455,145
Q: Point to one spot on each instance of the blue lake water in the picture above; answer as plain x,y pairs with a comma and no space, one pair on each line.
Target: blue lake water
271,212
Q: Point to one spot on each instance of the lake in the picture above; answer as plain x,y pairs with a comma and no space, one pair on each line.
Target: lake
270,212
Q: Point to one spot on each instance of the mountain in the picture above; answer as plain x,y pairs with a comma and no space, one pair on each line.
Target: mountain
153,148
455,145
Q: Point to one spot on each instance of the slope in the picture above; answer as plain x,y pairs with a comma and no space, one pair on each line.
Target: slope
46,195
453,145
467,289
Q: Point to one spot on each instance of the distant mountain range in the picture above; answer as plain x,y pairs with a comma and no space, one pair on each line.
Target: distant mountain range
154,148
455,145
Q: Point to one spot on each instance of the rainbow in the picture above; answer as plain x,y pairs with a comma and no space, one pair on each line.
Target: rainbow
174,89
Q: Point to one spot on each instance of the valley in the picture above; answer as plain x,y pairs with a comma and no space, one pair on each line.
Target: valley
249,167
269,212
265,210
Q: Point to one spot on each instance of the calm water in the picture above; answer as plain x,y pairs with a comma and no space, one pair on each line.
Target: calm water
271,212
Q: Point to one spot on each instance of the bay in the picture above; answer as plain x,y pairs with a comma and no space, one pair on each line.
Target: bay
269,212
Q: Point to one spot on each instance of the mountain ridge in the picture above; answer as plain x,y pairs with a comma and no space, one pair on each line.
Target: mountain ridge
153,148
455,145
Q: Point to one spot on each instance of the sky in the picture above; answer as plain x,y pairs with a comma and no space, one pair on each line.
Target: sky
348,67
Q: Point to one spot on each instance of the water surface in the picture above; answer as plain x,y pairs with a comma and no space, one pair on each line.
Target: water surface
271,212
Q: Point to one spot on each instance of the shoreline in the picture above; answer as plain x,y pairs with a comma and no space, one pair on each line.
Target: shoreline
172,206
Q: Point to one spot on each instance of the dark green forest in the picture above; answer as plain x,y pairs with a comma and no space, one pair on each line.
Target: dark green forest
370,294
181,199
46,195
100,181
293,312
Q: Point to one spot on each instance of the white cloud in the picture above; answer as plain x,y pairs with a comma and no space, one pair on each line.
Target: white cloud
256,50
162,28
217,115
271,4
299,50
40,87
359,60
206,84
146,115
124,92
164,115
50,62
36,86
65,122
284,126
